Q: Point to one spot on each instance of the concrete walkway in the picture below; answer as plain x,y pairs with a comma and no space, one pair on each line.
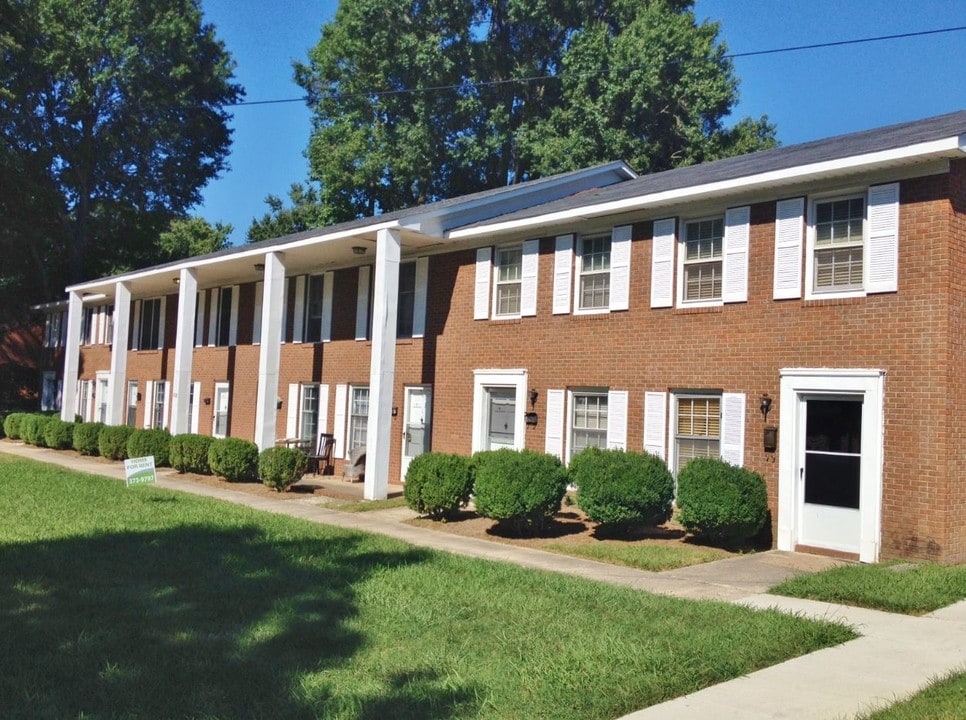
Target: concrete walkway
895,656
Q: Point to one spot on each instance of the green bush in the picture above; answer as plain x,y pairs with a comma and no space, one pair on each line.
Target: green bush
519,488
617,488
189,453
279,467
11,425
720,502
112,441
33,427
58,434
150,441
85,438
234,459
438,484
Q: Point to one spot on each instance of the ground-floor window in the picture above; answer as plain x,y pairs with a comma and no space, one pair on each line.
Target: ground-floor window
697,429
158,404
358,417
588,420
132,402
309,412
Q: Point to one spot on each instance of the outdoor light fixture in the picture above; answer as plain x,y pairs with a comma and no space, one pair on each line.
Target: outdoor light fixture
278,403
533,397
358,250
765,406
259,267
207,401
177,281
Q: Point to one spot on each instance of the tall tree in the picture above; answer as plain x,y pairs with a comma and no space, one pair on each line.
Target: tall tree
415,100
306,212
189,236
113,117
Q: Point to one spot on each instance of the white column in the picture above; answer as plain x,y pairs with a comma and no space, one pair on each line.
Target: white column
184,345
118,377
75,309
269,352
382,367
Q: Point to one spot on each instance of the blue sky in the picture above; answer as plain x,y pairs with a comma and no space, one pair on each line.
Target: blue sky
808,94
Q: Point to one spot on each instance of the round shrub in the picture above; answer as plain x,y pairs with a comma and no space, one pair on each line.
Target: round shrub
85,438
519,488
152,441
234,459
279,467
32,429
58,434
112,441
720,502
438,484
189,453
617,488
11,425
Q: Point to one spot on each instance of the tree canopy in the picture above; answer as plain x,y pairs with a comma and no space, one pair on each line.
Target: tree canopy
305,212
112,119
416,100
189,236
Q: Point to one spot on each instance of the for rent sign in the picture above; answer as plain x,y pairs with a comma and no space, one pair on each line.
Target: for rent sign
140,470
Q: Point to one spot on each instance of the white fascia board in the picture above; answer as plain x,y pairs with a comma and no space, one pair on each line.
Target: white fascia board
175,270
869,161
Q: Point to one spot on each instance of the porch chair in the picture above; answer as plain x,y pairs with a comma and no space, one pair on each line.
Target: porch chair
321,459
354,469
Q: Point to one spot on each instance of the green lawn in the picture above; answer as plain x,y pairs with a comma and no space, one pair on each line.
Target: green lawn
943,700
143,603
904,587
643,556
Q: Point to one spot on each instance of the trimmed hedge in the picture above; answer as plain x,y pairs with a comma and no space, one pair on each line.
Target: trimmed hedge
189,453
112,441
234,459
520,488
438,484
32,429
720,502
12,423
617,488
58,434
85,438
150,441
280,467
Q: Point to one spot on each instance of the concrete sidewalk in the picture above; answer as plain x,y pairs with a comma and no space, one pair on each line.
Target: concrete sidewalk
895,656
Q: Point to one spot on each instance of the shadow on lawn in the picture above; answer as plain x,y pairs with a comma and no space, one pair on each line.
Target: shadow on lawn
193,622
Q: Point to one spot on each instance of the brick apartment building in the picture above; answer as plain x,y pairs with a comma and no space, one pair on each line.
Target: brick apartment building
798,311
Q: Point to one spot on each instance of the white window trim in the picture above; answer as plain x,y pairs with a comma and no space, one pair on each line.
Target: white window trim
579,273
672,433
682,252
482,379
571,404
810,235
494,305
300,423
349,415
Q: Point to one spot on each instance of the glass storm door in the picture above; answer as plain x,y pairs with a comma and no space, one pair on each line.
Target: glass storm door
830,466
220,419
417,412
501,413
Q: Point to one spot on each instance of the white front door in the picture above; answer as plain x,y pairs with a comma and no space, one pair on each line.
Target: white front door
501,418
219,423
417,414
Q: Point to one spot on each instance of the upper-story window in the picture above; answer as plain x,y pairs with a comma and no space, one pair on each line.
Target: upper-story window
223,317
508,276
593,286
839,240
314,302
406,300
54,329
149,329
703,260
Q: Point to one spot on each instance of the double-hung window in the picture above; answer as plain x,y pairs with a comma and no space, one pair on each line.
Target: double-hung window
508,275
309,425
697,431
132,402
593,286
405,307
588,420
314,308
158,404
149,331
223,317
358,416
703,260
839,241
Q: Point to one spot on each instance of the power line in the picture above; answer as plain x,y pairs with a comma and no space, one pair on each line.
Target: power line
535,78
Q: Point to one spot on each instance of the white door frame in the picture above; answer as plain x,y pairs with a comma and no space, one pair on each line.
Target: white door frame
483,379
797,384
428,423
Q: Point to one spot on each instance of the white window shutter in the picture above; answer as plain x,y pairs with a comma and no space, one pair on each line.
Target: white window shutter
167,405
733,428
291,415
285,311
528,280
257,319
555,423
148,402
419,299
338,432
735,265
298,318
620,267
563,263
233,326
481,291
213,316
195,406
200,318
617,419
883,266
161,314
655,423
323,408
362,304
789,225
328,285
662,264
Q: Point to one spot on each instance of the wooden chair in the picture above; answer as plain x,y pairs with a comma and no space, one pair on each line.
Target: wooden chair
354,469
322,457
